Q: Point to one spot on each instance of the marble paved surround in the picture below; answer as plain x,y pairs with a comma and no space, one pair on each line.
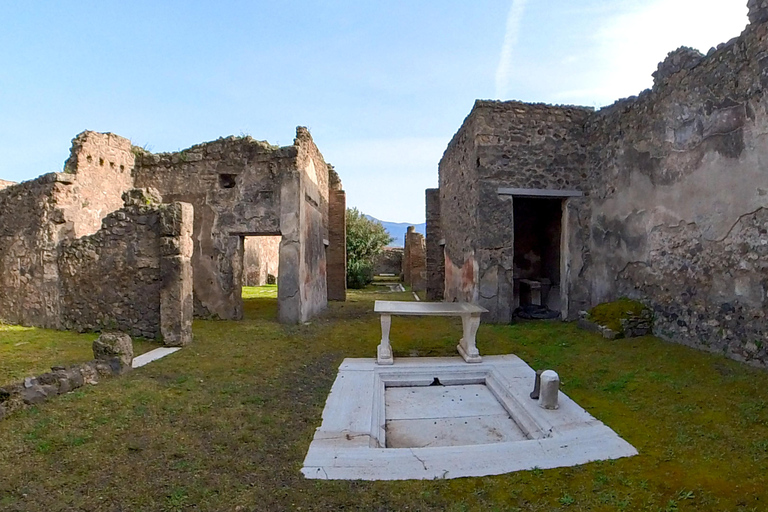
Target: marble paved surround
449,431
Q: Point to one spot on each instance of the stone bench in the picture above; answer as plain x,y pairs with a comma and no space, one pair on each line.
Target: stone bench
470,320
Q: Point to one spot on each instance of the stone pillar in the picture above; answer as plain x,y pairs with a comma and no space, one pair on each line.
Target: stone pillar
550,385
336,259
435,253
415,260
176,303
407,256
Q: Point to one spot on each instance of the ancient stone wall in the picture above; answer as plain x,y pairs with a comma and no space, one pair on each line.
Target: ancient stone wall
337,237
31,226
674,195
415,260
261,259
434,246
133,275
305,242
101,163
678,219
234,186
35,216
389,261
241,187
503,144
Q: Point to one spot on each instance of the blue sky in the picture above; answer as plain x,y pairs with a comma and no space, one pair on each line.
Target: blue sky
382,86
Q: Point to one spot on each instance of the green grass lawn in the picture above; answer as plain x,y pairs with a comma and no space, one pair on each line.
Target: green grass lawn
226,423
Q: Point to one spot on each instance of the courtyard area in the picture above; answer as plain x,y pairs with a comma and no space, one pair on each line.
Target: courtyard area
225,423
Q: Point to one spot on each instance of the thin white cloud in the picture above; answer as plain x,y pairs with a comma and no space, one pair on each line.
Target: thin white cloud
511,35
631,44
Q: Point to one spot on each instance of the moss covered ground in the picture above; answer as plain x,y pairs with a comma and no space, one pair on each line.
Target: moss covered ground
225,423
610,314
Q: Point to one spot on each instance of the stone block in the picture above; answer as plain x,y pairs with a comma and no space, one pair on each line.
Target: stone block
116,349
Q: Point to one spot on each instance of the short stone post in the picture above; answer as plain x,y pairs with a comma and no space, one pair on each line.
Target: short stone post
550,386
115,349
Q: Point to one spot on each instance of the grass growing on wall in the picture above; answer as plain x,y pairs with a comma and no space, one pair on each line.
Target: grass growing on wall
226,423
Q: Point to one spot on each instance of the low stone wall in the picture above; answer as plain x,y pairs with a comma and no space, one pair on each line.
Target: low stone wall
113,355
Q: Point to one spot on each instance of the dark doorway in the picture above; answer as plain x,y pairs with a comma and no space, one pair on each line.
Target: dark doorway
537,256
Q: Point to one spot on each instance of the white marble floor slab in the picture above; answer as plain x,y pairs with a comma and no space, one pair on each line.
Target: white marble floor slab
152,355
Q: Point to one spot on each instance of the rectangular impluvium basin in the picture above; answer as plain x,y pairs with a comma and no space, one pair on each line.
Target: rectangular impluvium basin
425,418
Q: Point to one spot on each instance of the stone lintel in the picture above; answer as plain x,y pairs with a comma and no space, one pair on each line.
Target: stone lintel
538,192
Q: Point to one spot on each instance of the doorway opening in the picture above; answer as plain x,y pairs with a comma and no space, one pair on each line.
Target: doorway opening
538,256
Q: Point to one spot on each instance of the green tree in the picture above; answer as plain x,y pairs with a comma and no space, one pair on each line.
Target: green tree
365,239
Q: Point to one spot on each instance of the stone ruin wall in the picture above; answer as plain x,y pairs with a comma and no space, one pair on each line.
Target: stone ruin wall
30,229
35,216
415,260
234,187
240,187
389,261
134,275
261,258
680,216
674,211
459,197
509,144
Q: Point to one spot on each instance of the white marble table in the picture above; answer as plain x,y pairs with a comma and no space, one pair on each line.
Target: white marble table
470,321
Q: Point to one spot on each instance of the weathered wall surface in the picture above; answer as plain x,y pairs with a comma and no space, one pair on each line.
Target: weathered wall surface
679,217
241,187
118,278
415,260
261,259
101,163
234,185
434,248
35,216
337,237
31,226
389,261
675,196
313,230
503,144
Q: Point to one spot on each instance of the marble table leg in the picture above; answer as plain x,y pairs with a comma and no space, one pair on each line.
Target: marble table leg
466,346
384,351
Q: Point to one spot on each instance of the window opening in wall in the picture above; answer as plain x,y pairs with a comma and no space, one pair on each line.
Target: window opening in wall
227,180
537,256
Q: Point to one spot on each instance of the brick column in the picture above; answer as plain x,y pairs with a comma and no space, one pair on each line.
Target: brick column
435,253
336,259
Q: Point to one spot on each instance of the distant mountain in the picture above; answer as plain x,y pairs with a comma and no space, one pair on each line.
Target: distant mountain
397,230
